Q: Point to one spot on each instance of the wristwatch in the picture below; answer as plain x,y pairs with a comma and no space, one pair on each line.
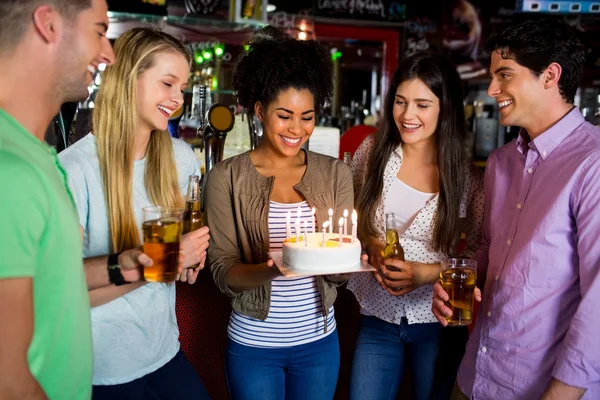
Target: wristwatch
114,270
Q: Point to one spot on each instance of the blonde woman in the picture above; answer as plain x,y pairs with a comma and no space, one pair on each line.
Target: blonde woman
130,162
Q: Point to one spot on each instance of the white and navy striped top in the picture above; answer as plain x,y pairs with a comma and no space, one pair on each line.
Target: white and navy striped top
295,313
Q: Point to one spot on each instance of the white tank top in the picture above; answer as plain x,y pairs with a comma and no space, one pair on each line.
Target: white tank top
405,202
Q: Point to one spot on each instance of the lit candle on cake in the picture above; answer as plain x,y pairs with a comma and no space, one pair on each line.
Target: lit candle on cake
341,224
314,222
325,225
288,229
354,225
298,225
345,222
330,220
305,233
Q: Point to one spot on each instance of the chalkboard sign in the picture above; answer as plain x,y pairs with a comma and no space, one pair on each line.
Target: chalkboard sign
371,10
394,11
156,7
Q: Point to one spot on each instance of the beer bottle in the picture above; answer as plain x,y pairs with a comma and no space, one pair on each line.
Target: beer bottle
393,249
192,215
248,11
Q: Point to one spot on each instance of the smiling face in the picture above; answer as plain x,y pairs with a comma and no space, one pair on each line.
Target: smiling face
160,90
416,111
519,94
84,47
288,121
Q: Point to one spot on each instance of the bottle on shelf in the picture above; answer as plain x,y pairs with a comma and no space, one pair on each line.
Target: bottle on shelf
248,11
347,158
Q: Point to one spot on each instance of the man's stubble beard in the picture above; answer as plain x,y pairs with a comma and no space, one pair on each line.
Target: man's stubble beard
71,82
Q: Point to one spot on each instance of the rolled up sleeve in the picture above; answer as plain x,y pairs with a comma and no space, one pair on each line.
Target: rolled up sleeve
578,362
223,250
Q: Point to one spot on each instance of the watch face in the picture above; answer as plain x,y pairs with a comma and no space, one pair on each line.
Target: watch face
201,6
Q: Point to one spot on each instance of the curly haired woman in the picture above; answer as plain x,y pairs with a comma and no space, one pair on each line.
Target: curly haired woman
283,342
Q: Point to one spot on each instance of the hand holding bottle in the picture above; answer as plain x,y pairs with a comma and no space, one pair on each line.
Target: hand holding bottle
401,277
193,249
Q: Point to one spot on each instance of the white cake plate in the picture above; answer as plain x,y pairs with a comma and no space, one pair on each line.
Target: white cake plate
287,271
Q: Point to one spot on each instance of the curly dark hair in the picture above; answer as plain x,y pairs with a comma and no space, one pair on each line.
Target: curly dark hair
276,62
535,44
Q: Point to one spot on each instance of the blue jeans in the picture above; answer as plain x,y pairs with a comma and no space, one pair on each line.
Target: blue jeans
453,342
177,379
303,372
378,364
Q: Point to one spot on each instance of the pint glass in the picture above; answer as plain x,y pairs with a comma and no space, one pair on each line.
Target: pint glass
162,234
458,278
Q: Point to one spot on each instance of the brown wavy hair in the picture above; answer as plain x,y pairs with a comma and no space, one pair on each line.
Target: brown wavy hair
440,76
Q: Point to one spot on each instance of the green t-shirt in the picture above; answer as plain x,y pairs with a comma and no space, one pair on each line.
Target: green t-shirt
40,238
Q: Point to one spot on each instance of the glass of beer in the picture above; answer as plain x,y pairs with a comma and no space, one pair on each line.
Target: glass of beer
458,278
162,235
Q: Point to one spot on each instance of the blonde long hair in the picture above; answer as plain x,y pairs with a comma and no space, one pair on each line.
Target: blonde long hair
115,123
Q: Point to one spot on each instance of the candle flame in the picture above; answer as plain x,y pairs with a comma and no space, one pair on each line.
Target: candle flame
313,211
354,216
341,221
325,224
330,212
289,215
345,213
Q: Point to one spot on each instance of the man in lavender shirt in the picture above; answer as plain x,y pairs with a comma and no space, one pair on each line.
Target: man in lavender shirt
538,327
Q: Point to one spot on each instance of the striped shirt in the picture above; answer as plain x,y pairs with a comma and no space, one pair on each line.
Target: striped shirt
295,312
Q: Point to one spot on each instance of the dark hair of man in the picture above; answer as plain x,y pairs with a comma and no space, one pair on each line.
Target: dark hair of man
275,62
16,15
535,44
440,76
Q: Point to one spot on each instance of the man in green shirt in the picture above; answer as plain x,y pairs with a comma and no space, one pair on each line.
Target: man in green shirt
49,50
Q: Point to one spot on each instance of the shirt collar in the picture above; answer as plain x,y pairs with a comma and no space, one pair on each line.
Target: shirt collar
398,151
550,139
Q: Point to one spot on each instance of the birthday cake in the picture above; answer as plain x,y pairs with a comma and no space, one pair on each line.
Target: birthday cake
322,251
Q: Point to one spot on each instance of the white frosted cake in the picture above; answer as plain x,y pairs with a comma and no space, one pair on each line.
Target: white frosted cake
314,256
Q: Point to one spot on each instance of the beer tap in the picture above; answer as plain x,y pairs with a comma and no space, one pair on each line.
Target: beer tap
214,122
199,107
219,121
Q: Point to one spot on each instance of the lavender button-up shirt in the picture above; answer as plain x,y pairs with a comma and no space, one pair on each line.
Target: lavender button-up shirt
540,255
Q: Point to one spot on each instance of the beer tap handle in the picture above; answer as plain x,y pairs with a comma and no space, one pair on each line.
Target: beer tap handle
200,134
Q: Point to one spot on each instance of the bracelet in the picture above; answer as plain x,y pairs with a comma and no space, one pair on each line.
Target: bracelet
114,270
